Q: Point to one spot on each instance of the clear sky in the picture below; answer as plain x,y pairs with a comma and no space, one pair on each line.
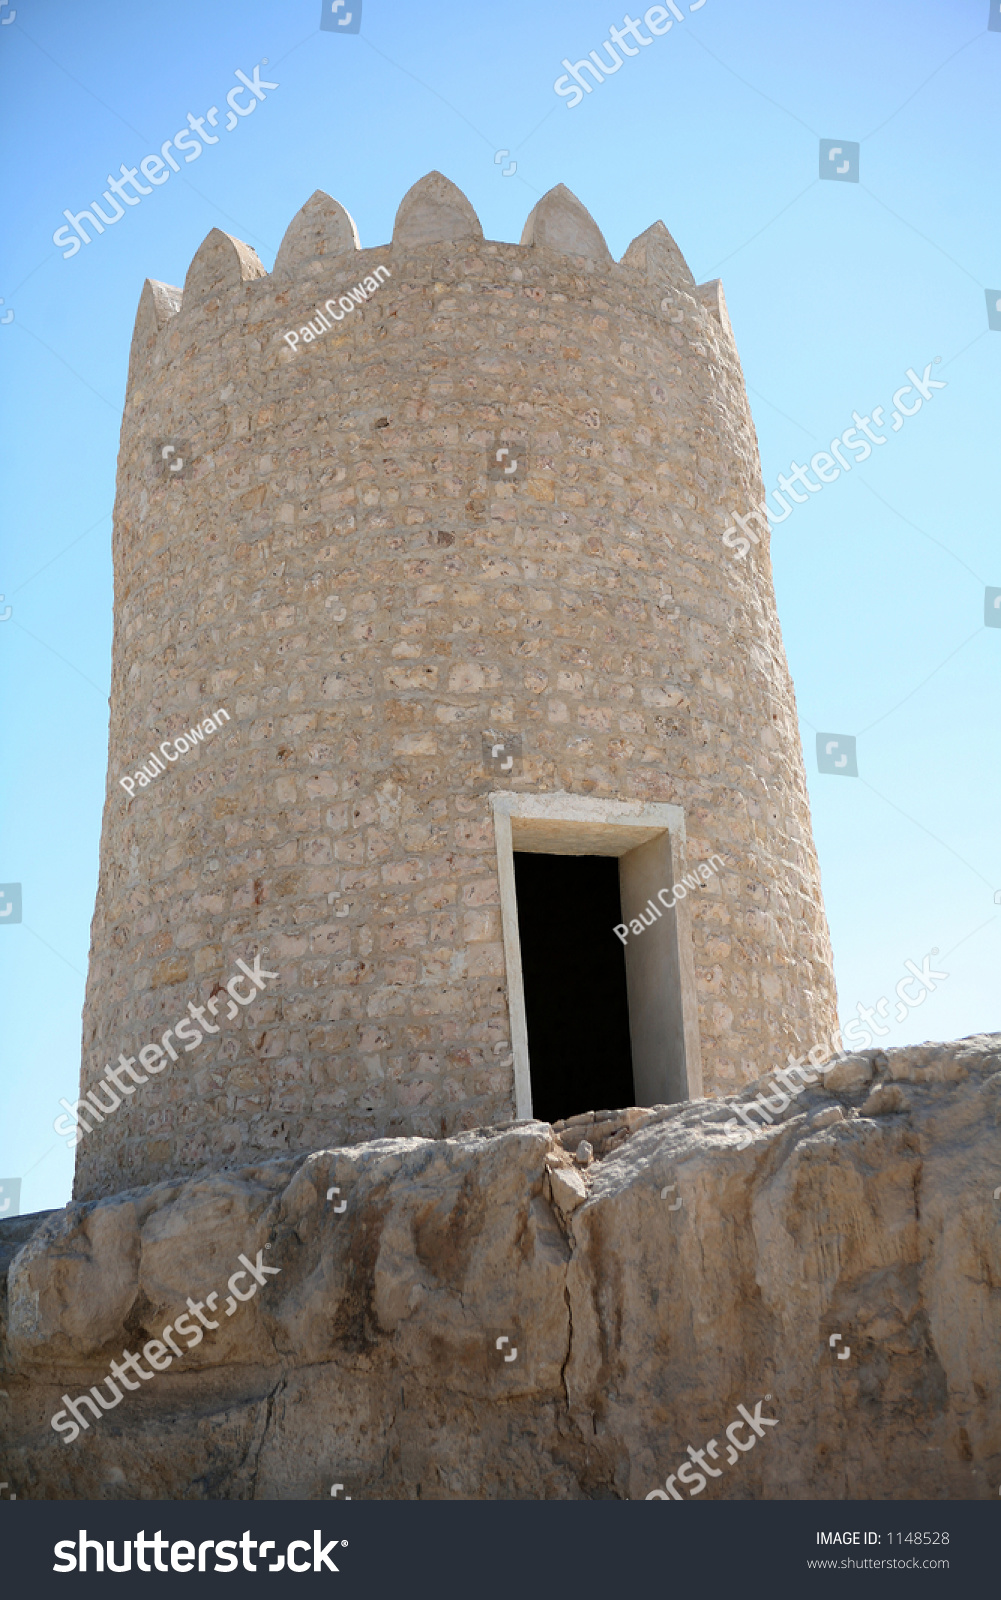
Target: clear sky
834,288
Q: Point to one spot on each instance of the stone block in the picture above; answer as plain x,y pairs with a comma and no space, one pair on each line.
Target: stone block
847,1073
568,1188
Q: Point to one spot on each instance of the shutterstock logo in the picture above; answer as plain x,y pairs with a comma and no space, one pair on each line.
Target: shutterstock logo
340,16
839,160
72,1553
836,753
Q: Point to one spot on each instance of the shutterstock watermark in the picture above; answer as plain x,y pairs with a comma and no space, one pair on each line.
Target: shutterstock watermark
797,1076
657,19
694,1481
72,1553
158,168
857,1031
347,302
153,1056
771,1106
156,1350
680,890
826,466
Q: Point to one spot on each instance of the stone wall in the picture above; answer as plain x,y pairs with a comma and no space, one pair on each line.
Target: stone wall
482,1318
336,569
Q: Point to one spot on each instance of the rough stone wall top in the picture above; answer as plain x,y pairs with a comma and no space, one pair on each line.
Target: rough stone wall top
336,569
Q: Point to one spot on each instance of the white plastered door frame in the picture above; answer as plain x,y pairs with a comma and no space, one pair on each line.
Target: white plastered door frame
649,840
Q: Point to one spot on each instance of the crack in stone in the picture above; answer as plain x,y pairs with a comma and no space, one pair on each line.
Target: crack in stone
566,1359
269,1412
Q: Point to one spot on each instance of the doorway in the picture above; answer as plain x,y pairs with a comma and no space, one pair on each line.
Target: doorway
650,1057
574,973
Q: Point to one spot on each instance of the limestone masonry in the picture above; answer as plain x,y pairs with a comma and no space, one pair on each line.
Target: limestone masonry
339,565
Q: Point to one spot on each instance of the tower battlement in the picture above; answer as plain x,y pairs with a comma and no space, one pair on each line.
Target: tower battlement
341,566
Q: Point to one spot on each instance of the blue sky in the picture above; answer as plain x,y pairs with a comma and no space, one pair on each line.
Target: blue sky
835,289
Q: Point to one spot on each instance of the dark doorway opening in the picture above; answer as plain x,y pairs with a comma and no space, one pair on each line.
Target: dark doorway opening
574,972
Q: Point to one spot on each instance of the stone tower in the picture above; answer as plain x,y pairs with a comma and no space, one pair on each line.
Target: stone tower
429,659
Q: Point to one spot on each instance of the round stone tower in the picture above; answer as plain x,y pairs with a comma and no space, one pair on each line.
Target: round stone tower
418,561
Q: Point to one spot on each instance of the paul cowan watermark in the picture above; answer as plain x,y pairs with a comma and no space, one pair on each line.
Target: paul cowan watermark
347,302
181,745
689,881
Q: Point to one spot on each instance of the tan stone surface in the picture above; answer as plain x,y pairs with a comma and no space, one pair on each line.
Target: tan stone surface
220,264
322,228
850,1072
434,209
567,1187
640,1323
337,571
560,222
655,254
